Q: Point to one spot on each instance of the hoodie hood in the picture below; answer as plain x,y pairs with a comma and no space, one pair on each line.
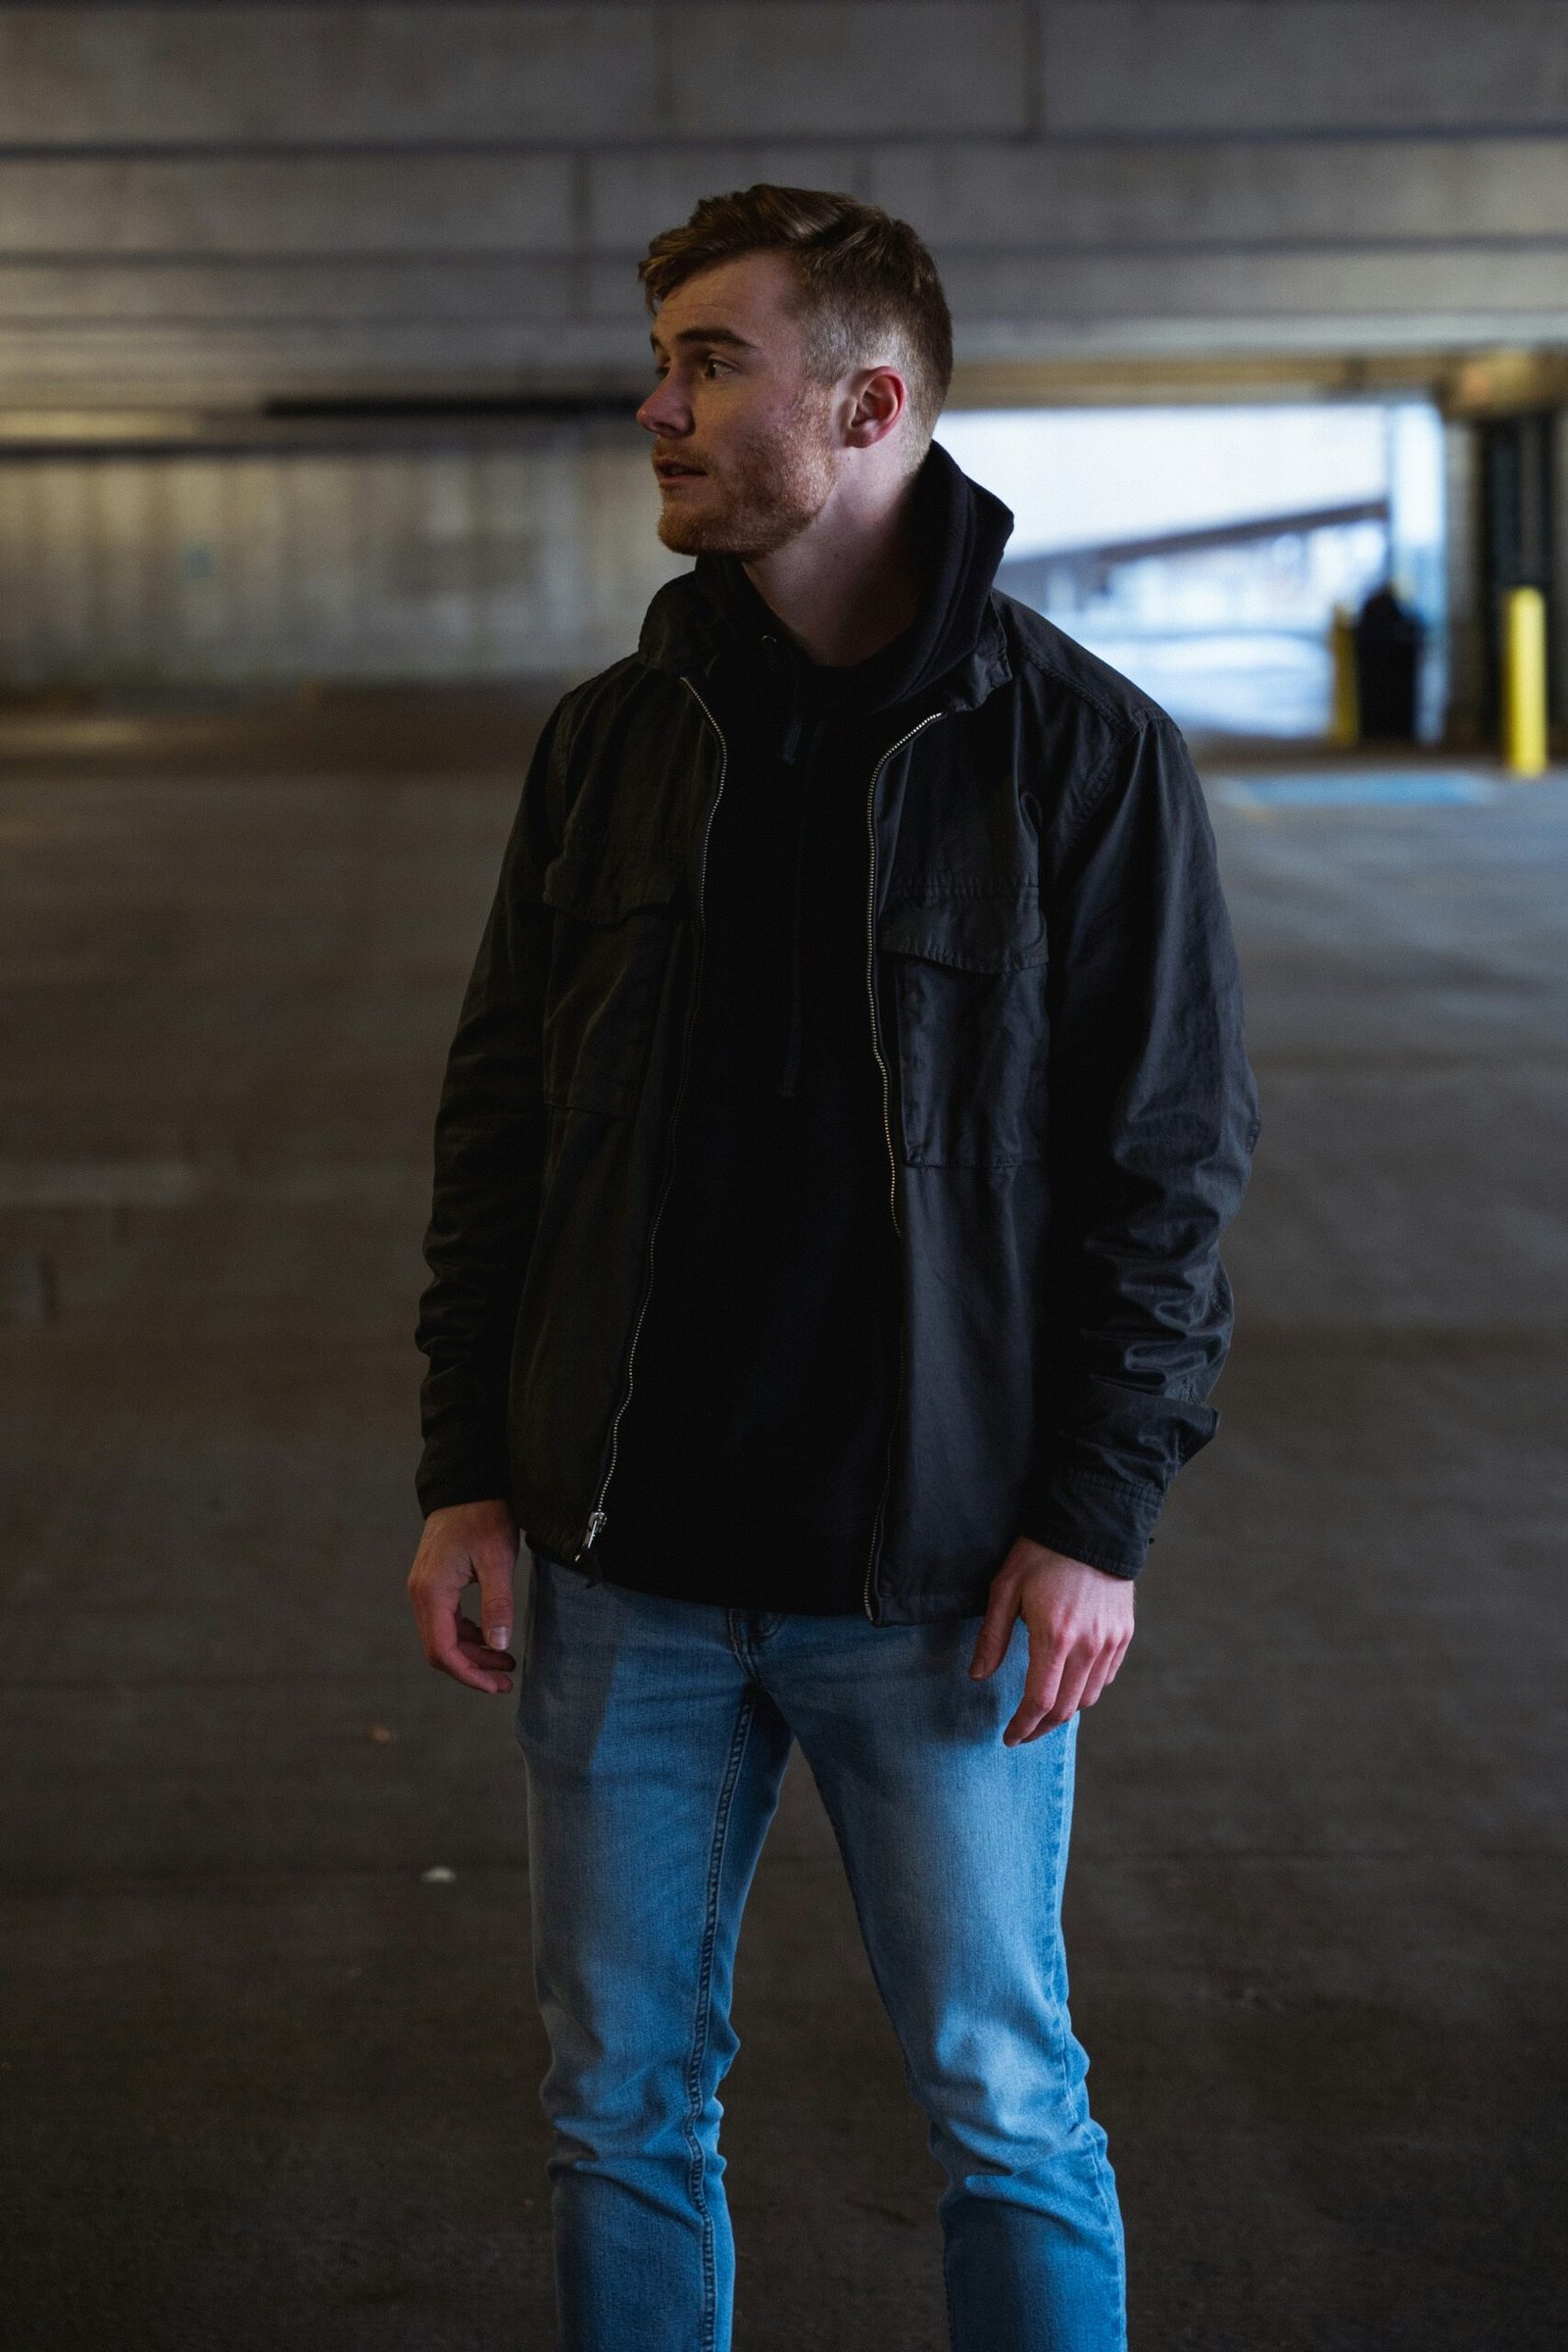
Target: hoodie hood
714,621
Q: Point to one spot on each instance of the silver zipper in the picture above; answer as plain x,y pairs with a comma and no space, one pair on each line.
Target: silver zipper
595,1517
887,1125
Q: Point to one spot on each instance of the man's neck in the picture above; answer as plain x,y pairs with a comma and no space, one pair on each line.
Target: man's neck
848,585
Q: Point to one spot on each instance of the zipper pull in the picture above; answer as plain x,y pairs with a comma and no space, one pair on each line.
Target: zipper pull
595,1523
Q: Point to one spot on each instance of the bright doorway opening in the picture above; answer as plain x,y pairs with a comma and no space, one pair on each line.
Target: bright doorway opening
1203,550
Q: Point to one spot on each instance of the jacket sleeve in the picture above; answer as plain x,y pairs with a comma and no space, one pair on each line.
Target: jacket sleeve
1154,1116
489,1149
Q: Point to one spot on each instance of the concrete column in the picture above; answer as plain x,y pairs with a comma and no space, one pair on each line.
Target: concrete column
1468,723
1558,585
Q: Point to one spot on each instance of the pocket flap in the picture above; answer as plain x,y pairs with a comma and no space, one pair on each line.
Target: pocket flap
602,881
974,932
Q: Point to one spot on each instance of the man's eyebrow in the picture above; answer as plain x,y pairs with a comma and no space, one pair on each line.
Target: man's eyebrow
706,334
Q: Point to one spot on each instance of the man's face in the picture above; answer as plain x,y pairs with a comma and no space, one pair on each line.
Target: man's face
743,443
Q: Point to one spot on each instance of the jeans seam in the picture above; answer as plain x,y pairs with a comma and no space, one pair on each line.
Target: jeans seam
1109,2210
700,2024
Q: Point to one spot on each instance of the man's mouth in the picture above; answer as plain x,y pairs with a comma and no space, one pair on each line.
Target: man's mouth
671,469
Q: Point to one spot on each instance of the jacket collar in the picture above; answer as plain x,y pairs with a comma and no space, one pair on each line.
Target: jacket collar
951,656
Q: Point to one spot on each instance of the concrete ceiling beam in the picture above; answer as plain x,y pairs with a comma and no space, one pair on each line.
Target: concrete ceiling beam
342,76
1151,68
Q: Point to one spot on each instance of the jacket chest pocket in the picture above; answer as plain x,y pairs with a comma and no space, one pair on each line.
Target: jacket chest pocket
965,977
614,925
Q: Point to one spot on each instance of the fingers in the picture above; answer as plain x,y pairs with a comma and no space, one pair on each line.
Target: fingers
1080,1621
1062,1678
1105,1672
459,1648
1037,1710
494,1562
461,1547
485,1654
996,1629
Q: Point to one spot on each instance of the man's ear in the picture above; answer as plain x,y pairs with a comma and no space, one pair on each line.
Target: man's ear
880,398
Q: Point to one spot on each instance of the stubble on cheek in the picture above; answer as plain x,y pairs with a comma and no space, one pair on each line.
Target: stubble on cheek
764,494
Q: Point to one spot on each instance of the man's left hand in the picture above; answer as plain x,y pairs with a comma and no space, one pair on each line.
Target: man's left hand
1079,1620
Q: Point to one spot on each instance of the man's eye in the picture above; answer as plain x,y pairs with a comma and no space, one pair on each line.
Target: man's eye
713,361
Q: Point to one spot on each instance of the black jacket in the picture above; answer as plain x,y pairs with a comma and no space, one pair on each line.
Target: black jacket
1053,1001
751,1460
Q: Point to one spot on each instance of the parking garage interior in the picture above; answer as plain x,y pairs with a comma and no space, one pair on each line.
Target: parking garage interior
320,339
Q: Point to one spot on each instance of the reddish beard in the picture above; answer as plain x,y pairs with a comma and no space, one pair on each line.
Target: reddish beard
765,494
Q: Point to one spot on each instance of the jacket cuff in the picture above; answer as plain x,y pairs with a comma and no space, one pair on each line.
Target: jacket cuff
449,1474
1107,1523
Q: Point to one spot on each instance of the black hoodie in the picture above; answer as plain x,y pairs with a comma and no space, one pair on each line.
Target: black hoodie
752,1450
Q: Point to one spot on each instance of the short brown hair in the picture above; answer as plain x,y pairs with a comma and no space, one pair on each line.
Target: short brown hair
866,279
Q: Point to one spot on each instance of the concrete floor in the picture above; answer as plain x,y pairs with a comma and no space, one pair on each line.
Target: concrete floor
262,2085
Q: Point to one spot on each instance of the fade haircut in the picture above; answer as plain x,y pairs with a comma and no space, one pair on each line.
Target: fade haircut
868,288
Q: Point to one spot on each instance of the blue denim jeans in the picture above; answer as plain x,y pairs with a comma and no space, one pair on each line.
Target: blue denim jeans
655,1735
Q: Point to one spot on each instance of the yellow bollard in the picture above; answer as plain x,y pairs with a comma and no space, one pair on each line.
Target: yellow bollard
1344,727
1524,683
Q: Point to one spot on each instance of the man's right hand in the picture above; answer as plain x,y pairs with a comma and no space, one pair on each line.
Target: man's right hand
466,1543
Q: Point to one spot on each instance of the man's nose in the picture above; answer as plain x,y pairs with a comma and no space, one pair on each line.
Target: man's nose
664,412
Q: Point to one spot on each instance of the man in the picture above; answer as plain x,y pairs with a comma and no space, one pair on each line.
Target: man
844,1111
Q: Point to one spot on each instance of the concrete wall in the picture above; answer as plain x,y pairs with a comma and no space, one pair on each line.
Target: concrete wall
215,203
207,208
419,563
